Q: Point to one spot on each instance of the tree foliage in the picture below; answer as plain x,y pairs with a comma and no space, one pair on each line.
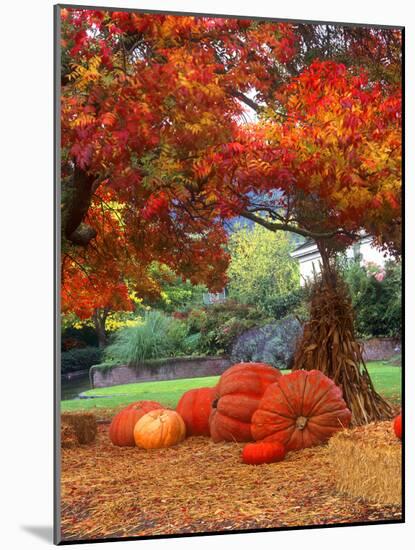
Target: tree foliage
159,150
260,269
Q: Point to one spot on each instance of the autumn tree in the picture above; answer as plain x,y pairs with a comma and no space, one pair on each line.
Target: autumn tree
160,149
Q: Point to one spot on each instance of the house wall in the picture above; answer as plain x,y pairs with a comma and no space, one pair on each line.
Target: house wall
311,258
307,267
371,254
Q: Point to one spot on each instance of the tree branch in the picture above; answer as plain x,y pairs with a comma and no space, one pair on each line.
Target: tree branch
271,226
242,97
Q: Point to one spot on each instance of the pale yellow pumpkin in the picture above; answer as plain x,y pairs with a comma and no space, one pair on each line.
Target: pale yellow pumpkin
159,428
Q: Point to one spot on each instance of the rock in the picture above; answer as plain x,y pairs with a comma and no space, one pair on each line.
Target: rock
274,343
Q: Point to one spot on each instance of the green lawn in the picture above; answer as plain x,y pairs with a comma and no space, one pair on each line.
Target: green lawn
167,392
387,381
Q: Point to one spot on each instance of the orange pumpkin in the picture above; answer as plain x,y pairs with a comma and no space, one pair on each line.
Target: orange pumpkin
238,393
263,452
397,426
121,431
194,407
299,410
159,428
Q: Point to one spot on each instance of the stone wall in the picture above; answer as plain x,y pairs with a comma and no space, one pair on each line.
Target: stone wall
375,349
378,349
165,369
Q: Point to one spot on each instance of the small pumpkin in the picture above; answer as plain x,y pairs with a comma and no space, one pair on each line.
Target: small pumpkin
263,452
121,430
194,407
159,428
397,426
238,393
301,409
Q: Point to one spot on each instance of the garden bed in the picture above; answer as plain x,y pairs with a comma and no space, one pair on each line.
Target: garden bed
199,486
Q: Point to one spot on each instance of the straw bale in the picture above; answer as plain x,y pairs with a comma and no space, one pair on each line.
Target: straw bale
84,424
367,463
68,436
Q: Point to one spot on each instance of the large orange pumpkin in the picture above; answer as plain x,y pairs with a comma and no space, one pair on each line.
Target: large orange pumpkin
194,407
121,430
159,428
397,426
263,452
238,393
299,410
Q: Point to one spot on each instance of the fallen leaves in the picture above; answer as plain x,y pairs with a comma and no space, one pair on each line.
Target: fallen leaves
197,487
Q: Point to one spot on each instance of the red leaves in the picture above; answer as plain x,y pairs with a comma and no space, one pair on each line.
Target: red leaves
287,46
234,147
82,155
165,132
157,205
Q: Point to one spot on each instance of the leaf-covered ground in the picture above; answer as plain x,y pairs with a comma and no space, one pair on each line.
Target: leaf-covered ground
199,486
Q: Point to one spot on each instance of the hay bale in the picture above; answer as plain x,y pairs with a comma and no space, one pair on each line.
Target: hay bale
84,424
367,462
68,436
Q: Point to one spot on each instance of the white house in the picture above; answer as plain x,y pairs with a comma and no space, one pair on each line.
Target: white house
215,297
309,258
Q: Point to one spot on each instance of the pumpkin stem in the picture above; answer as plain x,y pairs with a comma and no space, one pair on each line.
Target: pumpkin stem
301,422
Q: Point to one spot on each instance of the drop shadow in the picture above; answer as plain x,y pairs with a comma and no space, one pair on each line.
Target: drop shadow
43,532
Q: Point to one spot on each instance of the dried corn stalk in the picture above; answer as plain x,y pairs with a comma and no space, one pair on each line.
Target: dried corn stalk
328,344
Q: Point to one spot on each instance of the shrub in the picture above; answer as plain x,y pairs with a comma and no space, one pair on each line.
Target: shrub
293,303
80,359
83,336
157,337
273,343
376,297
175,294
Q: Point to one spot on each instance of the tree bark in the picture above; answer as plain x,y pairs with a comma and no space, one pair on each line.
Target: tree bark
99,317
76,200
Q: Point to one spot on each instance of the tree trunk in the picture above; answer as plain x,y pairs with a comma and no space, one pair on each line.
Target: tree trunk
329,344
76,200
99,317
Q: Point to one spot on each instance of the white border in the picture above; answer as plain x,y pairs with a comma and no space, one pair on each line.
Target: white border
27,269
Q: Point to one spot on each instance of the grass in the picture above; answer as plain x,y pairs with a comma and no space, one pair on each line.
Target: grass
167,392
387,381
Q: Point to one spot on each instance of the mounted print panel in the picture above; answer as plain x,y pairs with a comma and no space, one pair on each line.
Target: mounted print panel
229,235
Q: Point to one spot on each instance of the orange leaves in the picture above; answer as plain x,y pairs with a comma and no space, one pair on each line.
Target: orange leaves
261,166
83,291
82,120
202,169
164,125
108,119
